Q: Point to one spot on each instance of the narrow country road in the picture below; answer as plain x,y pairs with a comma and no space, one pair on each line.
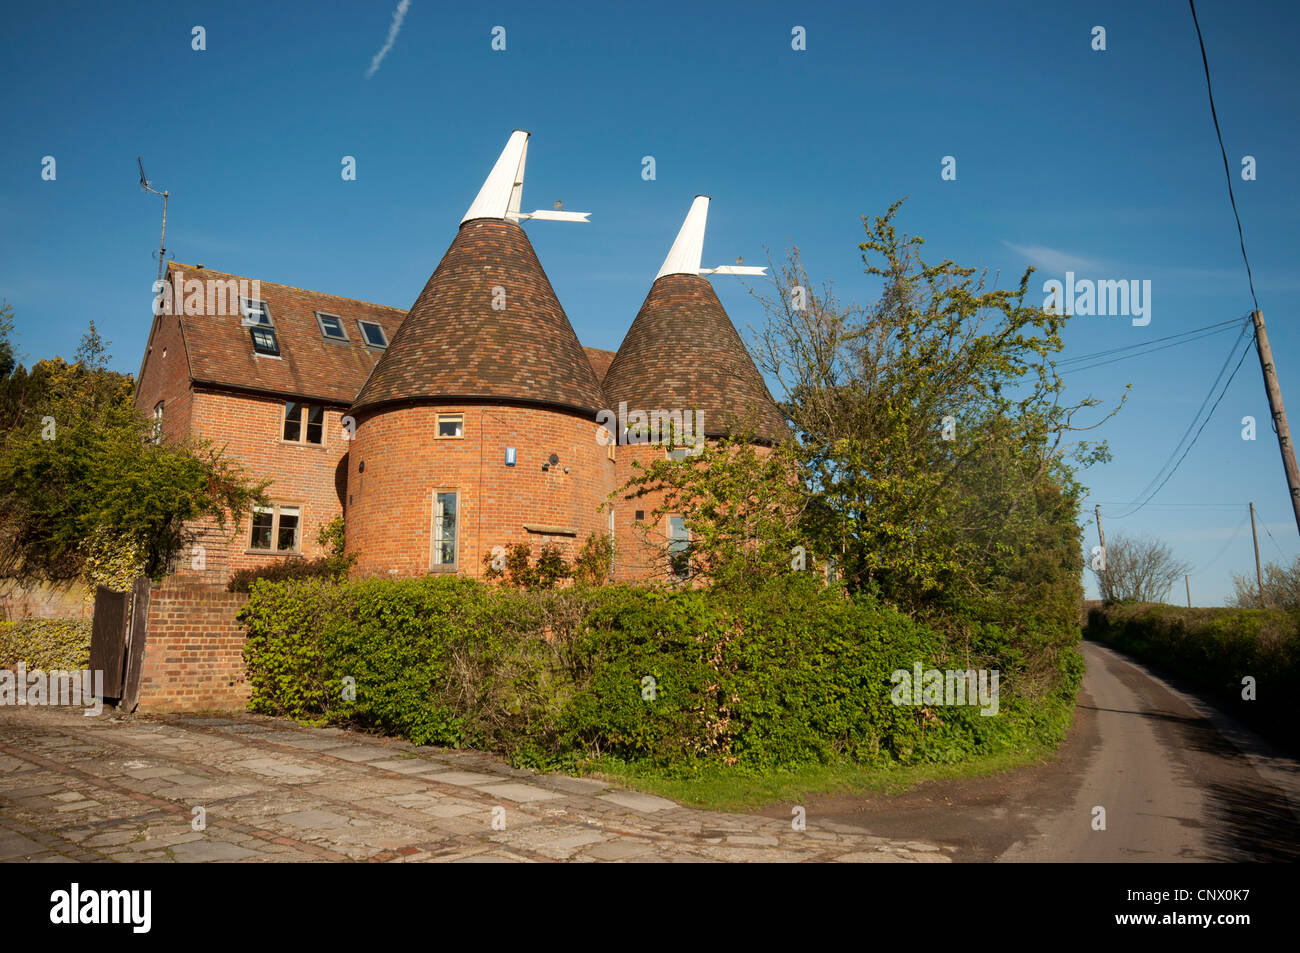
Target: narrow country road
1178,782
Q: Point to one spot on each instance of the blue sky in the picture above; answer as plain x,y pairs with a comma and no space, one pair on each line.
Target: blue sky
1104,163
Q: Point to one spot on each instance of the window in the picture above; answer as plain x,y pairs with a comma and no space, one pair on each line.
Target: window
264,341
286,537
609,450
331,326
373,332
255,312
157,422
451,425
444,529
679,547
263,523
678,453
279,524
294,430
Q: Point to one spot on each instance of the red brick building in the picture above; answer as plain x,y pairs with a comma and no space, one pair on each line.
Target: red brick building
474,420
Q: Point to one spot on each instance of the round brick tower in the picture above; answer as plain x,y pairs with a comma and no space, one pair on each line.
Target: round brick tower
477,428
682,353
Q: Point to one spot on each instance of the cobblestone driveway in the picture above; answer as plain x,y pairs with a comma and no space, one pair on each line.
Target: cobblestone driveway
114,788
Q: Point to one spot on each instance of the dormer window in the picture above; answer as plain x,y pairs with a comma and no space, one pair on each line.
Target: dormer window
331,326
264,341
373,333
255,312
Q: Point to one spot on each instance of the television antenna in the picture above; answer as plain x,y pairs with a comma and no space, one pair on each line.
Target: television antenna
147,187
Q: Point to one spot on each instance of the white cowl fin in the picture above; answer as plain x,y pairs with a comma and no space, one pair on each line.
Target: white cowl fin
684,257
504,186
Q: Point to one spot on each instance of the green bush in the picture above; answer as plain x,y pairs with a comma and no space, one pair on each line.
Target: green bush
1216,649
47,644
672,678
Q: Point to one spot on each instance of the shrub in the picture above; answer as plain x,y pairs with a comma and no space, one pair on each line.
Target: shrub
320,568
62,644
790,673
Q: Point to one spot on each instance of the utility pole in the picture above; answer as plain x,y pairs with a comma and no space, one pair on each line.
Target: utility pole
1275,405
1189,590
1259,576
1101,538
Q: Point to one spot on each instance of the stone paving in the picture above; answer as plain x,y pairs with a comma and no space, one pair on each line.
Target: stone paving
129,789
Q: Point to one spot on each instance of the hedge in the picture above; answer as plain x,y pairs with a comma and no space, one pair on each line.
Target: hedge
47,644
1215,649
670,678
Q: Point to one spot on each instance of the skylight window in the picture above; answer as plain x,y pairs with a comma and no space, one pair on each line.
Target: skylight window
373,332
256,312
264,341
331,326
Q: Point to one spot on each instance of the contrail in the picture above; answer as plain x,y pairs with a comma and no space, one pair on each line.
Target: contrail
398,16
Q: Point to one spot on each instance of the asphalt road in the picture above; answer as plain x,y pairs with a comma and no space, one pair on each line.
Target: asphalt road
1178,780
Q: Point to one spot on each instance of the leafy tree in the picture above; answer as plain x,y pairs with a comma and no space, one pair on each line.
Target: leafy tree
937,449
1140,570
742,503
78,468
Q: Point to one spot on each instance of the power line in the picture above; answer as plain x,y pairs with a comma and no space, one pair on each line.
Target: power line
1231,540
1275,542
1129,347
1209,88
1145,493
1218,506
1244,352
1125,357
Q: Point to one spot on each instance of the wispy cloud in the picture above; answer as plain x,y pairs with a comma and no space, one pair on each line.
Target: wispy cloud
398,16
1053,260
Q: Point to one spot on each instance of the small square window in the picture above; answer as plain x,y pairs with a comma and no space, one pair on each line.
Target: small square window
264,341
255,312
331,326
263,520
287,535
373,332
451,425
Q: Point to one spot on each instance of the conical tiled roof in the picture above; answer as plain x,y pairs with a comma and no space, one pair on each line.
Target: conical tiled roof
682,352
455,345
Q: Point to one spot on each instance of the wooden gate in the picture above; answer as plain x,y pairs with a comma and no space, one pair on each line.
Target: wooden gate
108,638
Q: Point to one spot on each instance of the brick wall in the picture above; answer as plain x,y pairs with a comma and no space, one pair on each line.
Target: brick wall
45,600
193,656
308,476
166,378
390,503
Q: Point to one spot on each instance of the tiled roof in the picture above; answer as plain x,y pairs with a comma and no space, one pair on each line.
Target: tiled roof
487,325
600,360
682,352
220,348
